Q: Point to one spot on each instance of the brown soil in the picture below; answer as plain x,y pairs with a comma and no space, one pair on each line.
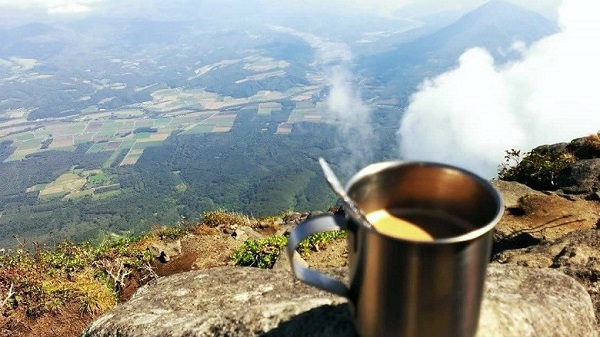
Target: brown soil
548,217
68,322
334,254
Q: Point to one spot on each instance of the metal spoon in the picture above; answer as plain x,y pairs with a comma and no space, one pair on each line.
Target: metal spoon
337,188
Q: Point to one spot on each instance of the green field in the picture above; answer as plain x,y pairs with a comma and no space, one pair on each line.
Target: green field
97,177
162,122
66,129
105,195
266,109
84,138
296,115
145,144
97,147
141,123
32,143
79,194
36,188
225,121
23,136
21,153
58,194
127,144
198,129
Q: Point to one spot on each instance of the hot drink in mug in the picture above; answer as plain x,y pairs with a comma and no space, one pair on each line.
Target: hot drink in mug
418,261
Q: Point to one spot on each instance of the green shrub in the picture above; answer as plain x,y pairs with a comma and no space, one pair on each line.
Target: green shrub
535,169
263,253
68,257
316,241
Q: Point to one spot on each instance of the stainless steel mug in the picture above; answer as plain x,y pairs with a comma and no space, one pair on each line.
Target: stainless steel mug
410,288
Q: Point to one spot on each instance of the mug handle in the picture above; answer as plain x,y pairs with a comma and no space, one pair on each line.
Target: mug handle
317,224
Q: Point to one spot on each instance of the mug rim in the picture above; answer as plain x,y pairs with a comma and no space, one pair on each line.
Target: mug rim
471,235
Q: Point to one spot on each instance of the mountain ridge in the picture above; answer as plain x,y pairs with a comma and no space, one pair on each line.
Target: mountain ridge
495,26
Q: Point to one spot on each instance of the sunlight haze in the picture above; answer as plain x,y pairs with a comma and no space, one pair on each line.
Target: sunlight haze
384,7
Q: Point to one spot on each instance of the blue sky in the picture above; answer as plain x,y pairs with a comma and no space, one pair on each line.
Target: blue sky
383,7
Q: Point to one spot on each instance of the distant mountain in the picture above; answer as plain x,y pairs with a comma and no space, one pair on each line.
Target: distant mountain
495,26
29,41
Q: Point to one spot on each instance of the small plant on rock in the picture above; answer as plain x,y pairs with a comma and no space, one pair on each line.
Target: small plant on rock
319,240
592,141
535,169
263,253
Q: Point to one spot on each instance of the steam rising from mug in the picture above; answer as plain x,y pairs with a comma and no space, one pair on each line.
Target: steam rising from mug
470,115
355,132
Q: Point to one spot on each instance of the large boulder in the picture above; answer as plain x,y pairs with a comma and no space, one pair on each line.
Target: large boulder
251,302
165,250
532,216
576,254
526,302
584,147
581,177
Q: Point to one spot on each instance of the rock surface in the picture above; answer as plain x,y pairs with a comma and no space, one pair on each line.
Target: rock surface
165,251
576,254
532,216
584,147
513,191
523,302
250,302
582,177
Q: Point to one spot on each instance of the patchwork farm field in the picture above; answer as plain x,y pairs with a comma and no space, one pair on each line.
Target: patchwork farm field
129,129
74,184
127,133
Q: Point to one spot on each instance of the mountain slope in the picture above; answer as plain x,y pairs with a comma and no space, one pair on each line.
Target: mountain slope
34,40
496,26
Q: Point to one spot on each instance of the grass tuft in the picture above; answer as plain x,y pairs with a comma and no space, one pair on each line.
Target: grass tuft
224,218
592,141
535,169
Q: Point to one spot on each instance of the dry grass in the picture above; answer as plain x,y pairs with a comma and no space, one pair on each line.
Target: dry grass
71,280
57,292
592,141
224,218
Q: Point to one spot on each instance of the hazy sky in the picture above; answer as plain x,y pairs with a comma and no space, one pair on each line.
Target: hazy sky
384,7
470,115
547,7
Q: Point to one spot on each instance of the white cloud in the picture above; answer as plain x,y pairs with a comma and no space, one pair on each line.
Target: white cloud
355,133
69,9
53,6
469,116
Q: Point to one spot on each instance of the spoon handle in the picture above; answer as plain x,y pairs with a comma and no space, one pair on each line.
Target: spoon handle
337,188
